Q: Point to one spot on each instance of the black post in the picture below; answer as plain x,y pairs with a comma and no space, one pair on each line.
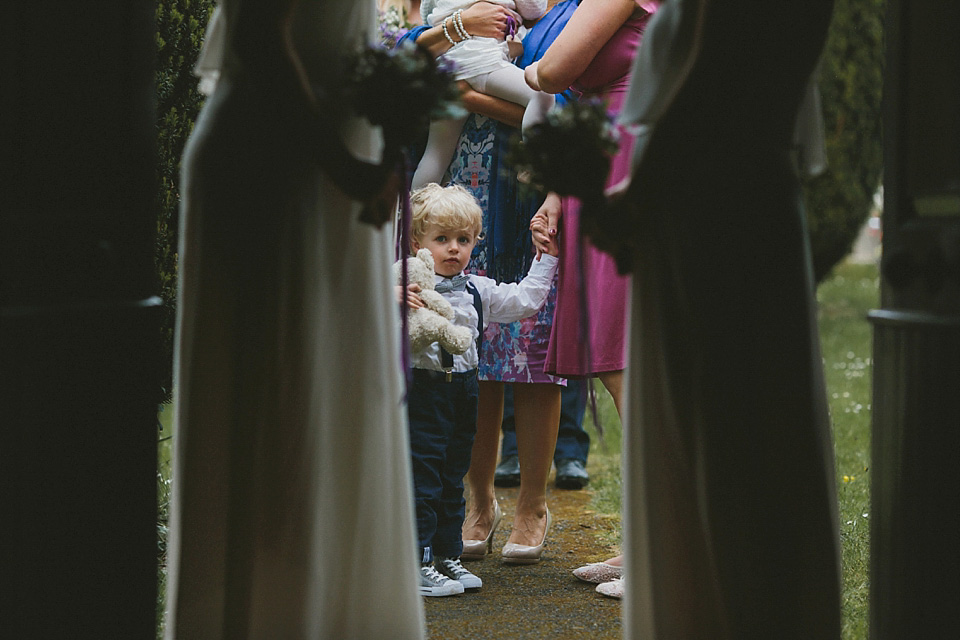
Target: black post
915,512
78,323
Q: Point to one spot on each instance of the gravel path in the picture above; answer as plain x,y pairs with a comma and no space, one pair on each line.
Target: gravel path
535,601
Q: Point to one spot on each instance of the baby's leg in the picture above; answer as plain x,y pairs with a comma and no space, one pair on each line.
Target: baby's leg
441,144
508,83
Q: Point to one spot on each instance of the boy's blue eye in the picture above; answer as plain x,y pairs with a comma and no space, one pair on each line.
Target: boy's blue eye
441,238
463,240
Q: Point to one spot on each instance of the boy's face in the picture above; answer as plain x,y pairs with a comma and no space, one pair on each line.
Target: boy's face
451,248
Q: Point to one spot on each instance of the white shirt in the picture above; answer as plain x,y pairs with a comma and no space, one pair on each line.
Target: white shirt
501,302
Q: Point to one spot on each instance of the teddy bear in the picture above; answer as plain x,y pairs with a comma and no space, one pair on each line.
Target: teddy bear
433,322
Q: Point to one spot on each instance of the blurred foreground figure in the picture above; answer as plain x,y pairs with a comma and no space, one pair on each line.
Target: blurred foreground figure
731,519
293,507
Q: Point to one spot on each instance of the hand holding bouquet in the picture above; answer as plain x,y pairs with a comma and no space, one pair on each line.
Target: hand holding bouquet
569,154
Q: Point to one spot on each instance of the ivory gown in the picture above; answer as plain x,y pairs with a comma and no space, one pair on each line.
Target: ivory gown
730,512
293,508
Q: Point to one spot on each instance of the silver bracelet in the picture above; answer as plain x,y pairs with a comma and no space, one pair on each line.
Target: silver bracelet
458,23
447,33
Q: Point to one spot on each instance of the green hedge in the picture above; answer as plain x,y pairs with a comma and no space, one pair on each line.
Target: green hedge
851,82
180,28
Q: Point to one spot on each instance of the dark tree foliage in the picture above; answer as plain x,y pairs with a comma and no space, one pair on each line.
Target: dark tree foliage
851,82
180,28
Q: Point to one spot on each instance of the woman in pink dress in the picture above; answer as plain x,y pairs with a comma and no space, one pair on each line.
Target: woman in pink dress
593,54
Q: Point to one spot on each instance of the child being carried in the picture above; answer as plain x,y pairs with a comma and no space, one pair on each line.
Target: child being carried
484,63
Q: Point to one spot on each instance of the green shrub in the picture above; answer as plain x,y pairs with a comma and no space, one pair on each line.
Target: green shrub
180,28
851,81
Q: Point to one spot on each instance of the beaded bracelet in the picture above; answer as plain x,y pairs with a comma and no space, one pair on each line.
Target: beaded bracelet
458,23
447,33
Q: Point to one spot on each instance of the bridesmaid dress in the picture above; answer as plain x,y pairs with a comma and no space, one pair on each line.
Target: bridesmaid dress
730,513
293,507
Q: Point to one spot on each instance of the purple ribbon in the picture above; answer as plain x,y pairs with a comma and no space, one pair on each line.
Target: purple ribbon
511,26
584,329
403,250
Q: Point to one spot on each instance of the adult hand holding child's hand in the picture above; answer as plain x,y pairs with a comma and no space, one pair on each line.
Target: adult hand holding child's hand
543,226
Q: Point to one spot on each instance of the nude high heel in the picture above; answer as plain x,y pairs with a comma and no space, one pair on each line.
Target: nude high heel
523,554
478,549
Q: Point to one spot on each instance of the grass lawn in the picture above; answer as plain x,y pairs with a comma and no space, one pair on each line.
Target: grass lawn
164,476
844,299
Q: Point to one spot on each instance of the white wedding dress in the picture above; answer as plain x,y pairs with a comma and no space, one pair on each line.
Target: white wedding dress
293,509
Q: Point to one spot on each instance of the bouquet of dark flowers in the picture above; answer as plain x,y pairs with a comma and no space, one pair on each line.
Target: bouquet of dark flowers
401,90
569,153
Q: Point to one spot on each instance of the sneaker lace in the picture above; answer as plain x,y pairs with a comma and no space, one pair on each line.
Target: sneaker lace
454,567
433,575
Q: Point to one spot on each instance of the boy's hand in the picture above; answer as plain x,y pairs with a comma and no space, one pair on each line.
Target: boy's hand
543,226
413,300
543,241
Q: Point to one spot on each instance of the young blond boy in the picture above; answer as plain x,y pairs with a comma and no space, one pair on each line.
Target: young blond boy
442,399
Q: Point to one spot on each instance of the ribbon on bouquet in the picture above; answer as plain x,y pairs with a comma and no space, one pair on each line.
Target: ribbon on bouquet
402,251
584,330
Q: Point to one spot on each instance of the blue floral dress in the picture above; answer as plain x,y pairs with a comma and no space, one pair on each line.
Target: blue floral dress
512,352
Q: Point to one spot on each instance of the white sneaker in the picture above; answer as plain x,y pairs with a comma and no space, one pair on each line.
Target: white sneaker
432,583
452,568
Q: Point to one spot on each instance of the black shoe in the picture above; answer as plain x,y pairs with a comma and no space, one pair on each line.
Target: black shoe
571,474
508,472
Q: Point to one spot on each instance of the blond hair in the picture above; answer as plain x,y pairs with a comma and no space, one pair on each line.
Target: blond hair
450,207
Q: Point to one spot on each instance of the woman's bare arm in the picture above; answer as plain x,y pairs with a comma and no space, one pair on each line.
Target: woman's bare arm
509,113
590,27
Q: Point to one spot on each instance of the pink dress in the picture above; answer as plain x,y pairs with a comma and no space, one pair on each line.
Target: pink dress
608,77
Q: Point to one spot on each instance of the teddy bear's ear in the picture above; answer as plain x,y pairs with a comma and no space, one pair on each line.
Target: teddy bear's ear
426,256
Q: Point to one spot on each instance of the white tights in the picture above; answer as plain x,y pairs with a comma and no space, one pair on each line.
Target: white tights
506,83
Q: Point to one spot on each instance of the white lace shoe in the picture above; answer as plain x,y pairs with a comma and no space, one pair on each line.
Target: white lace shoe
612,589
433,583
452,568
598,572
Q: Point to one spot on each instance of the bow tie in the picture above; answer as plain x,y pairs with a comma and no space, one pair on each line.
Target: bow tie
456,283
